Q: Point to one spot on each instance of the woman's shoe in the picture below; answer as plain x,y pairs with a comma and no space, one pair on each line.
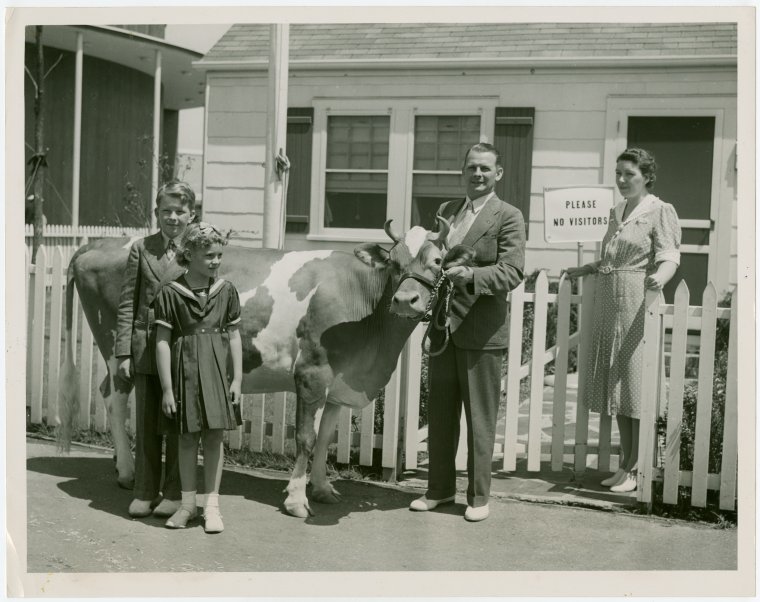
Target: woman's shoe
181,517
626,485
614,479
212,520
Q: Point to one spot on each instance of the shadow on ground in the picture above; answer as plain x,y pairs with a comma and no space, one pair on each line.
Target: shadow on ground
93,479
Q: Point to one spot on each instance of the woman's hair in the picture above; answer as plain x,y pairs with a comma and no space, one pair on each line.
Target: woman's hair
645,162
181,190
199,235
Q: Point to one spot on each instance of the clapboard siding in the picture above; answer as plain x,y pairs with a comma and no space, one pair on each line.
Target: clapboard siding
237,200
223,150
568,135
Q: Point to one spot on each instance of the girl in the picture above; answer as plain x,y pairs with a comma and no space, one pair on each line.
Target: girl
197,316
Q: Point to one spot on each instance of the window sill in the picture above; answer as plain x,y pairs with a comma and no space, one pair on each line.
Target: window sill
379,236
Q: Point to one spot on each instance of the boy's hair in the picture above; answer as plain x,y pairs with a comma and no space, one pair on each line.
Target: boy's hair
483,147
176,188
199,235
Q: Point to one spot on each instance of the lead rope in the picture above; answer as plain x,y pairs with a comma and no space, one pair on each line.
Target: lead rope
441,311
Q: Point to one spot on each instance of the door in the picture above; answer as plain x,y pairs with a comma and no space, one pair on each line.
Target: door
683,149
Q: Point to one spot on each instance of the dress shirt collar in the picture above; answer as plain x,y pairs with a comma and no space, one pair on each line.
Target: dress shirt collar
479,203
166,240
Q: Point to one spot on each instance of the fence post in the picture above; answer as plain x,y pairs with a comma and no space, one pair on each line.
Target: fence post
560,373
412,396
54,357
37,346
649,390
672,469
391,425
704,397
586,318
512,385
730,419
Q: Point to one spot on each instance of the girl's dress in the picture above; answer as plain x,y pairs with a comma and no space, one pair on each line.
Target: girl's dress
200,353
631,250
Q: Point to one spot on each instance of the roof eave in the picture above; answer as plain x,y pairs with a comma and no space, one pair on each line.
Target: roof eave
476,63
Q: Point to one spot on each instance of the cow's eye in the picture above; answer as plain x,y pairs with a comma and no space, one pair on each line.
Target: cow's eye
437,261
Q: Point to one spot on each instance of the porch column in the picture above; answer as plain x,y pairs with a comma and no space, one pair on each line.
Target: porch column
277,115
156,139
77,158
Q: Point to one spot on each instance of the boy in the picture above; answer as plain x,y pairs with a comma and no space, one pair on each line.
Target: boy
151,261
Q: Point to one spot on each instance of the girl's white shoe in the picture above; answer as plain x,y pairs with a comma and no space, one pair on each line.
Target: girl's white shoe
614,479
627,484
212,520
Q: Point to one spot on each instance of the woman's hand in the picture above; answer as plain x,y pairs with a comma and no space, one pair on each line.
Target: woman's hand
168,405
655,282
584,270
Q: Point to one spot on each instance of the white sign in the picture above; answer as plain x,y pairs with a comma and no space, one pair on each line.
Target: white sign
577,213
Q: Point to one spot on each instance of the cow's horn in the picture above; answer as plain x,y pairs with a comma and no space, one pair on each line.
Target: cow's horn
389,231
443,230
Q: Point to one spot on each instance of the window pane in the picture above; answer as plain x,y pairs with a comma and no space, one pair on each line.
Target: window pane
428,192
356,200
440,141
358,142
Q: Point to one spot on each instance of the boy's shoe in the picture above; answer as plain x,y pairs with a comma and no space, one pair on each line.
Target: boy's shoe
423,504
212,520
166,508
475,514
142,508
181,517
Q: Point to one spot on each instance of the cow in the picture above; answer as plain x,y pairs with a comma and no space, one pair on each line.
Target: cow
319,323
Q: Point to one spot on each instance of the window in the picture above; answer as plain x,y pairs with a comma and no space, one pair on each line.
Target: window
394,158
356,176
440,142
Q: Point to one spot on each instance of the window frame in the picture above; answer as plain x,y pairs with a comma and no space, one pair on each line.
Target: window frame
402,111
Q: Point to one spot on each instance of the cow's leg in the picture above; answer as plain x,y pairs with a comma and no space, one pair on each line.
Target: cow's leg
116,396
321,489
311,393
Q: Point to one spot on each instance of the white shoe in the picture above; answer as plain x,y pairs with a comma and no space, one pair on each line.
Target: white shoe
423,504
476,514
626,485
614,479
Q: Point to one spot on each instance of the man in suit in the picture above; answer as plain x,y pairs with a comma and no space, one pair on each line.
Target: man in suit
151,262
468,372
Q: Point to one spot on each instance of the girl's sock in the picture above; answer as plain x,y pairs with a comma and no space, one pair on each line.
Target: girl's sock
212,500
188,500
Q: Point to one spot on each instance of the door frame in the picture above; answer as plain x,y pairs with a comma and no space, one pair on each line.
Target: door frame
723,108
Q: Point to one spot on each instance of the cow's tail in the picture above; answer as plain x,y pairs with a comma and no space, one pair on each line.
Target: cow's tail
68,399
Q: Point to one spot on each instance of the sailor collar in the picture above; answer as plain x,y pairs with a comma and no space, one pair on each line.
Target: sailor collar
646,204
186,292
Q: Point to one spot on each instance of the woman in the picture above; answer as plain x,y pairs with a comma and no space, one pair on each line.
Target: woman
639,252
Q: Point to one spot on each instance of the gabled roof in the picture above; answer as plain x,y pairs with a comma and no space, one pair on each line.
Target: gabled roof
397,43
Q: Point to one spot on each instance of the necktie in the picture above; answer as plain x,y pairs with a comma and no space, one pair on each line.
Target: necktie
461,225
171,249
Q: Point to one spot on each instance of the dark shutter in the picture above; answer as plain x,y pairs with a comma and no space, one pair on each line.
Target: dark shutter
514,139
299,136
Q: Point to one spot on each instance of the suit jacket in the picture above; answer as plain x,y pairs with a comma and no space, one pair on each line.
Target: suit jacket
478,312
147,268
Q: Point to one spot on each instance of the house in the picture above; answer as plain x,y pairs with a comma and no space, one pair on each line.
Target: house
126,71
380,114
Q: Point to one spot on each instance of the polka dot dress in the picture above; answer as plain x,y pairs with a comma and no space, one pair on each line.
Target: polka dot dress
631,250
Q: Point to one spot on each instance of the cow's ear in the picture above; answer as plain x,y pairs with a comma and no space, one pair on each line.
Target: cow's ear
373,255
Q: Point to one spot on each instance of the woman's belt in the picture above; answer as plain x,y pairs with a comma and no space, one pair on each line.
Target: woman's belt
608,269
201,330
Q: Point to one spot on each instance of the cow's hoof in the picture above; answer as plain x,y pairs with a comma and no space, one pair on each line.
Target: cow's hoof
126,482
298,509
325,495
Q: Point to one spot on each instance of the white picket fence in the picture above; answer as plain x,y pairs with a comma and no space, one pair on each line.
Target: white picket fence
267,425
68,240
